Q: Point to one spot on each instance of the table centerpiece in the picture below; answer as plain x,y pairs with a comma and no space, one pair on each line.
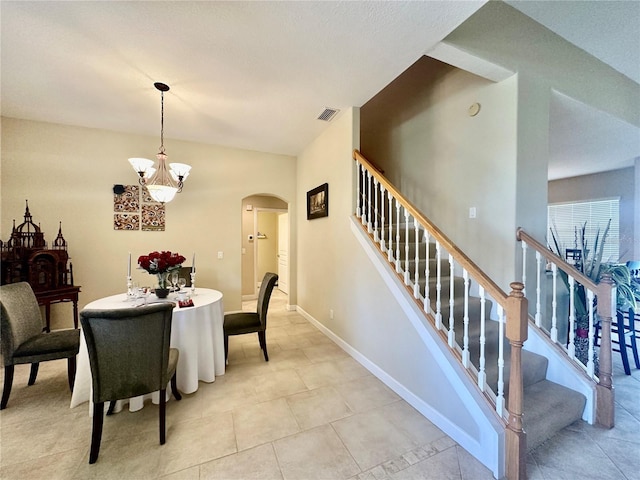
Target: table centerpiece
161,264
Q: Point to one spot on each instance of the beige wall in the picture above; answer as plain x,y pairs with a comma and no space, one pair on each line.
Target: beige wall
488,34
532,165
335,273
67,174
544,62
446,161
616,183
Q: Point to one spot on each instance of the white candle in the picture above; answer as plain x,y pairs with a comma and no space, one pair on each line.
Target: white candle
193,264
129,266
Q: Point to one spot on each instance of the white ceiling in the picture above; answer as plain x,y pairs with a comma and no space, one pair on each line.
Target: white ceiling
608,30
251,75
583,140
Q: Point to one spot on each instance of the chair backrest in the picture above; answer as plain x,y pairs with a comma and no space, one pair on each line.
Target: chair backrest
185,272
21,319
266,287
128,350
634,269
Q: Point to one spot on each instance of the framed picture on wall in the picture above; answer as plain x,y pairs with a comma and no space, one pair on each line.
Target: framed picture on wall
318,202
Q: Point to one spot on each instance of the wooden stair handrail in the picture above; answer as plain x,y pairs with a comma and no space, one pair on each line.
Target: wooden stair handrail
489,285
521,235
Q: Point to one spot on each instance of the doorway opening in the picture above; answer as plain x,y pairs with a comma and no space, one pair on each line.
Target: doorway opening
265,243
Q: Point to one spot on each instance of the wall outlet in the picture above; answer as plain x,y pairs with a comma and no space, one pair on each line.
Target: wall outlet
220,255
472,212
331,314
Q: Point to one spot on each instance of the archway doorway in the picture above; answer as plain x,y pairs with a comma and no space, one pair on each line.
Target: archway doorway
265,240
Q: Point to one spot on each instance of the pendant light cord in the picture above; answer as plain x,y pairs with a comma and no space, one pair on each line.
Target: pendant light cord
162,122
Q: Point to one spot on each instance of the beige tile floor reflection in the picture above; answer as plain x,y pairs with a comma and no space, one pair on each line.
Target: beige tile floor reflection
311,412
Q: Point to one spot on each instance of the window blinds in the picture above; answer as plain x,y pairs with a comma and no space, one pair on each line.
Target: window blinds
567,219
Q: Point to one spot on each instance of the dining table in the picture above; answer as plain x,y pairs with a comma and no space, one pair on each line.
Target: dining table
196,331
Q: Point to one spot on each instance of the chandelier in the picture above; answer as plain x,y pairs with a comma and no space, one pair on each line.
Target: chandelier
162,183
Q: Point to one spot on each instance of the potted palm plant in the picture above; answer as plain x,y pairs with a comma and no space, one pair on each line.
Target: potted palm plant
592,266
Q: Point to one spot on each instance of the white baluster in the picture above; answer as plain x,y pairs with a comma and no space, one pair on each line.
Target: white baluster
590,362
398,237
383,246
369,204
572,318
416,284
390,248
406,247
500,394
538,317
482,376
554,305
358,191
375,211
465,348
524,268
438,287
427,304
452,335
363,214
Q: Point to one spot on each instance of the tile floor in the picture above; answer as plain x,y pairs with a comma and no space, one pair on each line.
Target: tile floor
311,412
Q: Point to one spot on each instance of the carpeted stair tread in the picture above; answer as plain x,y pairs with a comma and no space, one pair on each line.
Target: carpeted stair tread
534,366
433,265
445,283
549,408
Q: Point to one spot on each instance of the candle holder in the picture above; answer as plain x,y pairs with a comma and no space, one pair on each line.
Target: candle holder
193,283
130,293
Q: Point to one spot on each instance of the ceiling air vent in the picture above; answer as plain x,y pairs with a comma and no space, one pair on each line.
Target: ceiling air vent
328,114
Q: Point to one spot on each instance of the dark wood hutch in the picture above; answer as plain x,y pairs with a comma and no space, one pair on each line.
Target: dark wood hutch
27,258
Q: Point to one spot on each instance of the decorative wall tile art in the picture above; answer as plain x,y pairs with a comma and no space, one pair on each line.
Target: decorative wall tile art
128,201
126,221
152,217
134,209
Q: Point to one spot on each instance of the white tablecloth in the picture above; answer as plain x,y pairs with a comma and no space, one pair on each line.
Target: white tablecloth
195,331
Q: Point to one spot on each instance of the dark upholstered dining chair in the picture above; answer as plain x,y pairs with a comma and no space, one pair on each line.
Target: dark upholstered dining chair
129,356
251,322
634,269
22,340
185,272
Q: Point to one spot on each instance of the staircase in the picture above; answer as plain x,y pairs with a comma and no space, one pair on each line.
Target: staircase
484,327
548,406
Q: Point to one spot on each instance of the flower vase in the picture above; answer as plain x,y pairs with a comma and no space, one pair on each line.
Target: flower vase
162,292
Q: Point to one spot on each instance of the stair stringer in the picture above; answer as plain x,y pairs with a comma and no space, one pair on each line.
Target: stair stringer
563,371
488,445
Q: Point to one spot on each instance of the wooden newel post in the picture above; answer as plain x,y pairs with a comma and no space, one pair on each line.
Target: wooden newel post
607,304
516,331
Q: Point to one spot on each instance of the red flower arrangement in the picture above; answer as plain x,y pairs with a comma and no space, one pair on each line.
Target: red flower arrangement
160,264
